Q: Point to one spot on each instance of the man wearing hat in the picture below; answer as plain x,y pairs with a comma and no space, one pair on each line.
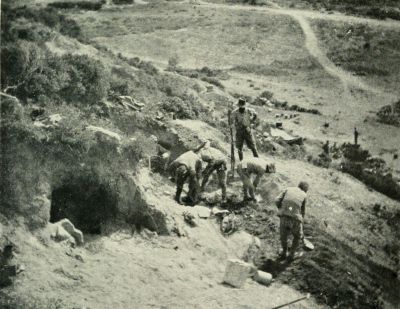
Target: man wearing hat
242,120
291,204
253,166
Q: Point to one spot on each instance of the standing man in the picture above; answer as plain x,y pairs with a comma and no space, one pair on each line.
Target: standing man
292,208
243,119
216,161
356,134
187,167
246,168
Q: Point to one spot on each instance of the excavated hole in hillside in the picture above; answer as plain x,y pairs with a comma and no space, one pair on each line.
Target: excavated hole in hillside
86,202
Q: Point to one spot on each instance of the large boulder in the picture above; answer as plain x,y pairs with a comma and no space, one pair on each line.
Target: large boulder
64,230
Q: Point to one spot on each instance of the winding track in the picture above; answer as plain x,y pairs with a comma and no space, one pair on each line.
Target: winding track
311,41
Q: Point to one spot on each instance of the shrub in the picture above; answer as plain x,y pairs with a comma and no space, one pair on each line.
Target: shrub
48,16
123,1
354,153
32,73
88,79
390,114
185,107
84,5
146,66
119,87
371,171
213,81
267,95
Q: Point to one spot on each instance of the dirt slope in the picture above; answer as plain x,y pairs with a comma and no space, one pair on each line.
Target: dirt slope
350,265
122,270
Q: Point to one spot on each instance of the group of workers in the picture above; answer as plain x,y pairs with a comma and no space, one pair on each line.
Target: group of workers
189,168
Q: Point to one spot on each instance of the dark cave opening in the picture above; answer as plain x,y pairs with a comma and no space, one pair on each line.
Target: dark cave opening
86,202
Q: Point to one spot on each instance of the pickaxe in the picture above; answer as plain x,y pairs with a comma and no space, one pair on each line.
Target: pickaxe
294,301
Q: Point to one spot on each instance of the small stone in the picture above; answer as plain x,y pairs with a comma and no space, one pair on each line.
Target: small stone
202,212
263,277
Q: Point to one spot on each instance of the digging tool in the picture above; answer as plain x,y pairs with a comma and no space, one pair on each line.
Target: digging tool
232,144
294,301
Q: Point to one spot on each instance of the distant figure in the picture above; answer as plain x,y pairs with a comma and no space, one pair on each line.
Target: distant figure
356,134
325,148
253,166
243,119
216,161
187,167
292,207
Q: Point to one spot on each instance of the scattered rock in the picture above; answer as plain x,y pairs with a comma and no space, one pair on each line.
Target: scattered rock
189,218
102,131
230,224
129,103
215,211
263,277
202,212
237,272
48,122
146,233
62,235
70,228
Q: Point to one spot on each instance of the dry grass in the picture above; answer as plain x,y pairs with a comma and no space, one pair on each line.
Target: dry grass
363,50
198,36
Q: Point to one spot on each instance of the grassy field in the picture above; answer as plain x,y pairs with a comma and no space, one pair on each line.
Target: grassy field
370,52
197,36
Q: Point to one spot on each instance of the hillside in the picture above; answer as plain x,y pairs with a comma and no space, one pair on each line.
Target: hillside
95,94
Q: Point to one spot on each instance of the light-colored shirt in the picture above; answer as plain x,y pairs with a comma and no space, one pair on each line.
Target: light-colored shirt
253,165
212,155
243,120
291,203
190,159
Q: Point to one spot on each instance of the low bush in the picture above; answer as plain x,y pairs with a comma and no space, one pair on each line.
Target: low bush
390,114
371,171
48,16
213,81
146,66
123,1
186,107
83,5
30,72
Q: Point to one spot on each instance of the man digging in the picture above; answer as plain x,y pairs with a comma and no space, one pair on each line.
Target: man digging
253,166
292,207
187,167
243,120
216,161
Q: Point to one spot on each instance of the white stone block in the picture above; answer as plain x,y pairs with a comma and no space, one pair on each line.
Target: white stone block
236,272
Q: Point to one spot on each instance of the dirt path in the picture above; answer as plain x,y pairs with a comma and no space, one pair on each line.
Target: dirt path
313,47
311,41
